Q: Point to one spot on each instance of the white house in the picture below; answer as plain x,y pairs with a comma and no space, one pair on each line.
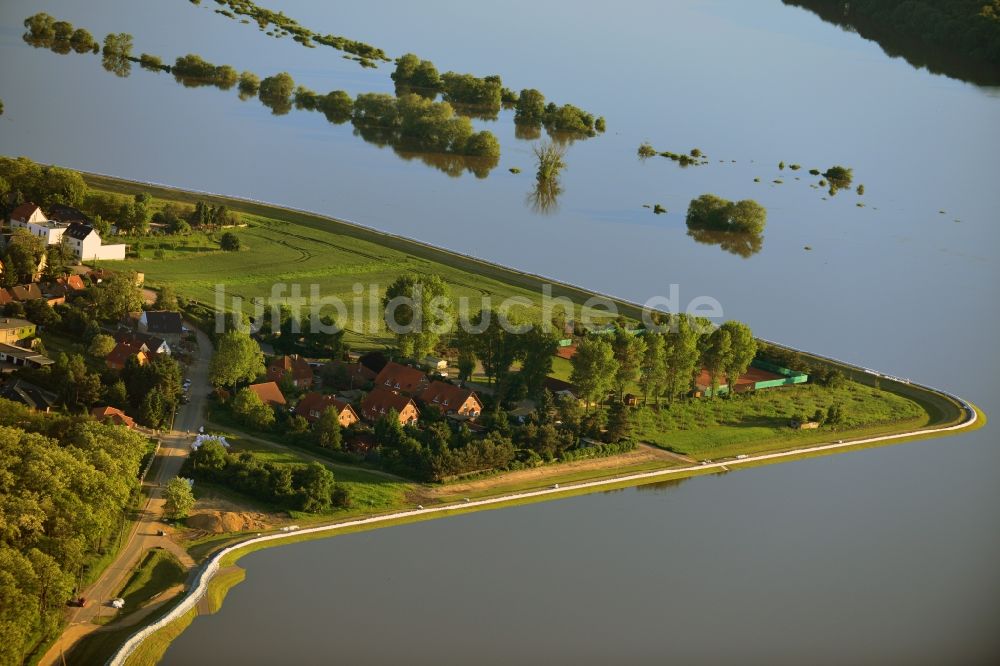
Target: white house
29,216
85,243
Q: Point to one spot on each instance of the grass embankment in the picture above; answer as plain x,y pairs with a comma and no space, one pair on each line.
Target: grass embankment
281,245
159,571
151,650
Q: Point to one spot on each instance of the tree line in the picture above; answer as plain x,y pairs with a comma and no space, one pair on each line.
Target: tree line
310,487
65,483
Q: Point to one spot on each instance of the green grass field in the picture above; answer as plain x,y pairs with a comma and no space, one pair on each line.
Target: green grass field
158,571
755,422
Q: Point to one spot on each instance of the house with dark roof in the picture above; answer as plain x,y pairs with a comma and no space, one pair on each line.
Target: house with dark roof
402,378
29,394
112,415
27,292
451,400
291,368
15,355
269,394
86,244
155,345
348,376
561,389
313,404
381,401
123,351
162,323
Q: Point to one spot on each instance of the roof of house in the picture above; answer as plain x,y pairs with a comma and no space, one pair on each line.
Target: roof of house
294,365
381,400
79,231
24,211
26,292
318,403
152,342
5,296
558,385
401,378
112,414
122,352
356,370
11,322
269,393
25,354
447,396
163,321
62,213
28,394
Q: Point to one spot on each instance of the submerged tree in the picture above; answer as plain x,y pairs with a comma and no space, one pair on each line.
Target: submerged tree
117,53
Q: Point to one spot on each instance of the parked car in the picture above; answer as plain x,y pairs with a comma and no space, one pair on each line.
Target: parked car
78,602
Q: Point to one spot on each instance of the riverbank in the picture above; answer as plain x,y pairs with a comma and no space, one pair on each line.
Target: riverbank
170,626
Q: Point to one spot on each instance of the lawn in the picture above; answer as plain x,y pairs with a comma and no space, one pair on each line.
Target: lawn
281,245
158,571
759,421
370,492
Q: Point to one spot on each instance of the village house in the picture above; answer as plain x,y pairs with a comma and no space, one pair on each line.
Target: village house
112,415
381,401
30,395
27,292
402,378
22,356
452,400
123,351
86,244
561,389
30,217
162,323
269,394
5,297
349,376
15,331
153,344
312,405
293,369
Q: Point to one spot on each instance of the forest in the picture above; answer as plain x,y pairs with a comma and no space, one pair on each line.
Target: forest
65,485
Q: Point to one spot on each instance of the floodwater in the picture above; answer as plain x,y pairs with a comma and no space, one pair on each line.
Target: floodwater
886,555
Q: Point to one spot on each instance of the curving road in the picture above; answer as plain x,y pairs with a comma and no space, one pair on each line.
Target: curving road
174,446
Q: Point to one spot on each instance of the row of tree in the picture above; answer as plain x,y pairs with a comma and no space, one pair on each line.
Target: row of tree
310,487
663,363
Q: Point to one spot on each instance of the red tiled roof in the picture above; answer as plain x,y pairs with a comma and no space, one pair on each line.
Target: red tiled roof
398,377
5,296
23,212
448,397
380,401
317,403
26,292
357,371
293,365
122,352
269,393
113,414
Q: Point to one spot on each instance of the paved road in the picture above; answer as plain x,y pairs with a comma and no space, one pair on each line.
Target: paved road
174,446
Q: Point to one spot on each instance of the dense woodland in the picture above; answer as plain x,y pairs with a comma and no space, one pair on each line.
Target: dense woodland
65,483
959,38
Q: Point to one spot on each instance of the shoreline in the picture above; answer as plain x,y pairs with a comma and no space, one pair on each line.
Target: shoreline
229,555
947,413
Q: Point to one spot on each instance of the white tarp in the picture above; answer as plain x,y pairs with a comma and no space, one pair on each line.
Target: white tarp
201,439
